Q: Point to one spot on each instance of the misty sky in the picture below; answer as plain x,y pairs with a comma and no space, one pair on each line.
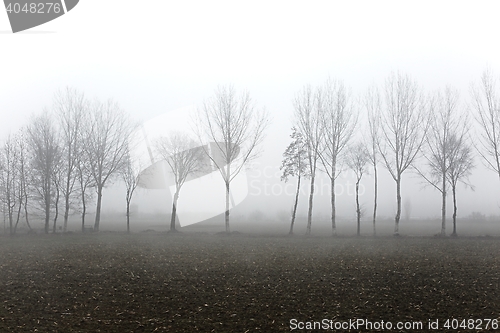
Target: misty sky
157,56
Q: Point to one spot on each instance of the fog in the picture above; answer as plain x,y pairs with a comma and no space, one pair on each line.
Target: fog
171,59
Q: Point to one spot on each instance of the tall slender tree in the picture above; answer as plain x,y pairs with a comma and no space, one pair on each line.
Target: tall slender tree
70,107
236,128
14,179
184,159
461,163
447,123
57,182
9,156
85,185
295,164
105,146
45,157
23,188
373,108
356,159
339,120
404,127
308,119
130,177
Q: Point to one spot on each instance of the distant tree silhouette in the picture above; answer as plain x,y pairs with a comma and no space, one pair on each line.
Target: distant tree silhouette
404,123
308,119
339,120
295,164
106,137
373,107
356,158
130,178
486,104
45,153
447,124
70,107
184,158
9,156
236,128
461,165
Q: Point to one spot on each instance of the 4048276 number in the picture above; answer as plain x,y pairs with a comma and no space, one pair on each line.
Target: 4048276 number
471,324
34,8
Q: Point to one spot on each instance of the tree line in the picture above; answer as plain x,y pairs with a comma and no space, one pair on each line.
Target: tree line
402,128
61,161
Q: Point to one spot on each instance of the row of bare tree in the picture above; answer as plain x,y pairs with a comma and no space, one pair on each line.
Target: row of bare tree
402,125
71,153
81,146
63,155
225,137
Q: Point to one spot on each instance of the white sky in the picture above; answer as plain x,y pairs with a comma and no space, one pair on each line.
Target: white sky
156,56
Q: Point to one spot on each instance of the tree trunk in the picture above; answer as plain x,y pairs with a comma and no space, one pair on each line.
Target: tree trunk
15,225
398,212
174,212
294,211
332,195
84,210
358,210
24,194
227,180
98,209
454,234
309,212
443,206
128,215
83,217
66,212
26,210
47,211
11,218
18,216
332,198
66,201
226,215
375,200
56,213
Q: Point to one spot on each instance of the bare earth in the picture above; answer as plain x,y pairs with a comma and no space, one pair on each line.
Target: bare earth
158,282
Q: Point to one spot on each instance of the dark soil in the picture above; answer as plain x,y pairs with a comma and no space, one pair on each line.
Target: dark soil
154,282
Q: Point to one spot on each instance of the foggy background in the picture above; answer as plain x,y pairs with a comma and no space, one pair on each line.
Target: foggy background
158,57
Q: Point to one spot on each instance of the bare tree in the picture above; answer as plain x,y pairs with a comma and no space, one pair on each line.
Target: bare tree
70,107
461,165
339,120
45,156
373,107
486,104
356,159
295,164
24,175
105,146
404,126
447,122
236,128
8,179
85,182
184,159
130,178
308,119
57,179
